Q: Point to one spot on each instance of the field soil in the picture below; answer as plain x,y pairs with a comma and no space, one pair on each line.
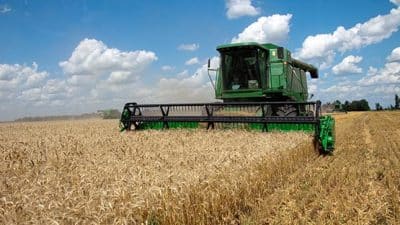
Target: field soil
86,172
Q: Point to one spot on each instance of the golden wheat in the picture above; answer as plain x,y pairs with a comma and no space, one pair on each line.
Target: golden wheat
86,172
359,184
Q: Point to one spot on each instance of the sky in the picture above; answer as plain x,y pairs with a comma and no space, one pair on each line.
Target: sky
72,57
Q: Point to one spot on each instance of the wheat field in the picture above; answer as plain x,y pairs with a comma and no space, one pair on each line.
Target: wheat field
359,184
86,172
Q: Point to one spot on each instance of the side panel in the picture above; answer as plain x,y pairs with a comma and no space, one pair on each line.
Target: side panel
277,78
304,86
297,87
218,84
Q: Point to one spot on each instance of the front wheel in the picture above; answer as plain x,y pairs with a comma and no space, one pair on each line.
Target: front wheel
286,111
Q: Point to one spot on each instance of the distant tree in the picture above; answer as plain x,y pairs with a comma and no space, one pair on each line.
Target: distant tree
359,105
338,105
353,106
364,106
378,107
390,107
396,102
346,106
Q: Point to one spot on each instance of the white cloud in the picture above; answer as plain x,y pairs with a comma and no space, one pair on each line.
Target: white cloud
195,88
182,74
389,74
189,47
23,86
192,61
20,76
394,56
52,90
167,68
379,85
342,90
396,2
33,94
80,80
94,77
273,29
97,75
348,65
312,88
87,86
372,70
312,85
345,89
322,48
5,9
387,89
239,8
56,89
119,77
378,93
92,59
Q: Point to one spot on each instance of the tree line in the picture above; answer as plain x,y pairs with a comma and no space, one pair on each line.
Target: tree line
396,105
361,105
355,105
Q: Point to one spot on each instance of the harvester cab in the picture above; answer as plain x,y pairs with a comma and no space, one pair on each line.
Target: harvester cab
261,87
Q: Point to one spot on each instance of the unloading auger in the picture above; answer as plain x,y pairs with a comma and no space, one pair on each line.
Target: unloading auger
261,87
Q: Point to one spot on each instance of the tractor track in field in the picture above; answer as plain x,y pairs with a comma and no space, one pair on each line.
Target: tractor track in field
367,134
390,135
359,184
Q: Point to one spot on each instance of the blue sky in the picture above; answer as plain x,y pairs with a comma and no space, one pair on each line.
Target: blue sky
68,57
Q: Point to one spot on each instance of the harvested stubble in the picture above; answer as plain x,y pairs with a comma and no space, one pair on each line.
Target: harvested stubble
85,172
360,184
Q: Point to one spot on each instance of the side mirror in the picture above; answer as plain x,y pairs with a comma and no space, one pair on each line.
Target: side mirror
208,72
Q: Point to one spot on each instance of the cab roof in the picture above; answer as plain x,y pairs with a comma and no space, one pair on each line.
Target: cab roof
266,46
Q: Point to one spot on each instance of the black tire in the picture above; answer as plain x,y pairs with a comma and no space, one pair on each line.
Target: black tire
286,111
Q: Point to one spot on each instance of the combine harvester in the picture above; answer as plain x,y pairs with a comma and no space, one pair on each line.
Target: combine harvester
262,88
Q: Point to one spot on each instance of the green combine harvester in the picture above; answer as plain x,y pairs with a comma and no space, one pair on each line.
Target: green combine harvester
261,87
